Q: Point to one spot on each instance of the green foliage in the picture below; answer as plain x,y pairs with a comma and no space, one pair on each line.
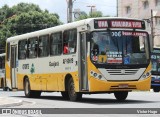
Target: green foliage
24,18
94,14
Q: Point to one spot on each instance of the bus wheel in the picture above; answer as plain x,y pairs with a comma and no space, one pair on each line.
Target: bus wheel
5,88
73,95
156,90
121,96
65,95
28,92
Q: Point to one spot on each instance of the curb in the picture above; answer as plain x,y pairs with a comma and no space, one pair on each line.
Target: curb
10,102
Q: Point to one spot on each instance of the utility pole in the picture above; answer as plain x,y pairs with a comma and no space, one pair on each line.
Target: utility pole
92,6
152,28
69,10
117,8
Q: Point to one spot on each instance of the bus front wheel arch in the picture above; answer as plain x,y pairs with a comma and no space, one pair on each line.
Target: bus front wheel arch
27,90
73,95
65,92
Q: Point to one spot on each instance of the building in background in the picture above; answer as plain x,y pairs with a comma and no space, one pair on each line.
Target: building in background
142,9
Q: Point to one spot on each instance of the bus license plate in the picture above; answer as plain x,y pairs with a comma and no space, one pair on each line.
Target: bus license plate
123,86
156,81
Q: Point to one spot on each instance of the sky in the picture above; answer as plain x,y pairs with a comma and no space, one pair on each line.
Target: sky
107,7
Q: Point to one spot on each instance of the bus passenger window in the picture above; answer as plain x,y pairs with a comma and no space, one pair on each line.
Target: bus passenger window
56,44
22,50
32,47
70,41
43,46
65,48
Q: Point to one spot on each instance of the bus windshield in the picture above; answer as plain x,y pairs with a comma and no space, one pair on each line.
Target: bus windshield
119,47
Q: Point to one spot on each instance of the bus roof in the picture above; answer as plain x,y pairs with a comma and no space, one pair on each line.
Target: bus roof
62,27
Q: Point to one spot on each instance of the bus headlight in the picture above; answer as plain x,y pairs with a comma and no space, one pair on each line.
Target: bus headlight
145,75
97,75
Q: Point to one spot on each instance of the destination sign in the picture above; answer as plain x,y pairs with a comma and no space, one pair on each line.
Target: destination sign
119,23
126,24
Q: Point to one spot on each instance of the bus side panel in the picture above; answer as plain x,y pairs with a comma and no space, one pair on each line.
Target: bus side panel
52,82
20,78
61,81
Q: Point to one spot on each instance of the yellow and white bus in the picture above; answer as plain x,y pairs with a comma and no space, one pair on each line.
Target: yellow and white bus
2,69
97,55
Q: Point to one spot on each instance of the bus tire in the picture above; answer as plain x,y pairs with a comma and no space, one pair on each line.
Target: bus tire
5,88
121,96
65,95
156,89
73,95
28,92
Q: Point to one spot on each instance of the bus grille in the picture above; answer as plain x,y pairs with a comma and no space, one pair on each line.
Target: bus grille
122,71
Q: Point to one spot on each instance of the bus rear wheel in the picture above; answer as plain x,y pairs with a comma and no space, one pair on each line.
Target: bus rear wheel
3,86
121,96
65,95
73,95
28,92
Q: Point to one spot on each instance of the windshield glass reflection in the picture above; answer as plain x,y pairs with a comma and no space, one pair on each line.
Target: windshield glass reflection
119,47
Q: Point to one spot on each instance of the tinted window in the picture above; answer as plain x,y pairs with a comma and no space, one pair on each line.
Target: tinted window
69,41
43,46
32,47
2,62
56,44
22,49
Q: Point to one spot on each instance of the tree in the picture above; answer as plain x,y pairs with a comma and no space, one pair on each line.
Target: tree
95,14
24,18
83,15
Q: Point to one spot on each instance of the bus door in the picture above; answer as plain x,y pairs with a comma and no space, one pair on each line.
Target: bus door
83,62
13,67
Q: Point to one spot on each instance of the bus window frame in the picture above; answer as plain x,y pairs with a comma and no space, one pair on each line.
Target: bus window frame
26,49
8,51
61,34
69,53
36,37
48,43
114,66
